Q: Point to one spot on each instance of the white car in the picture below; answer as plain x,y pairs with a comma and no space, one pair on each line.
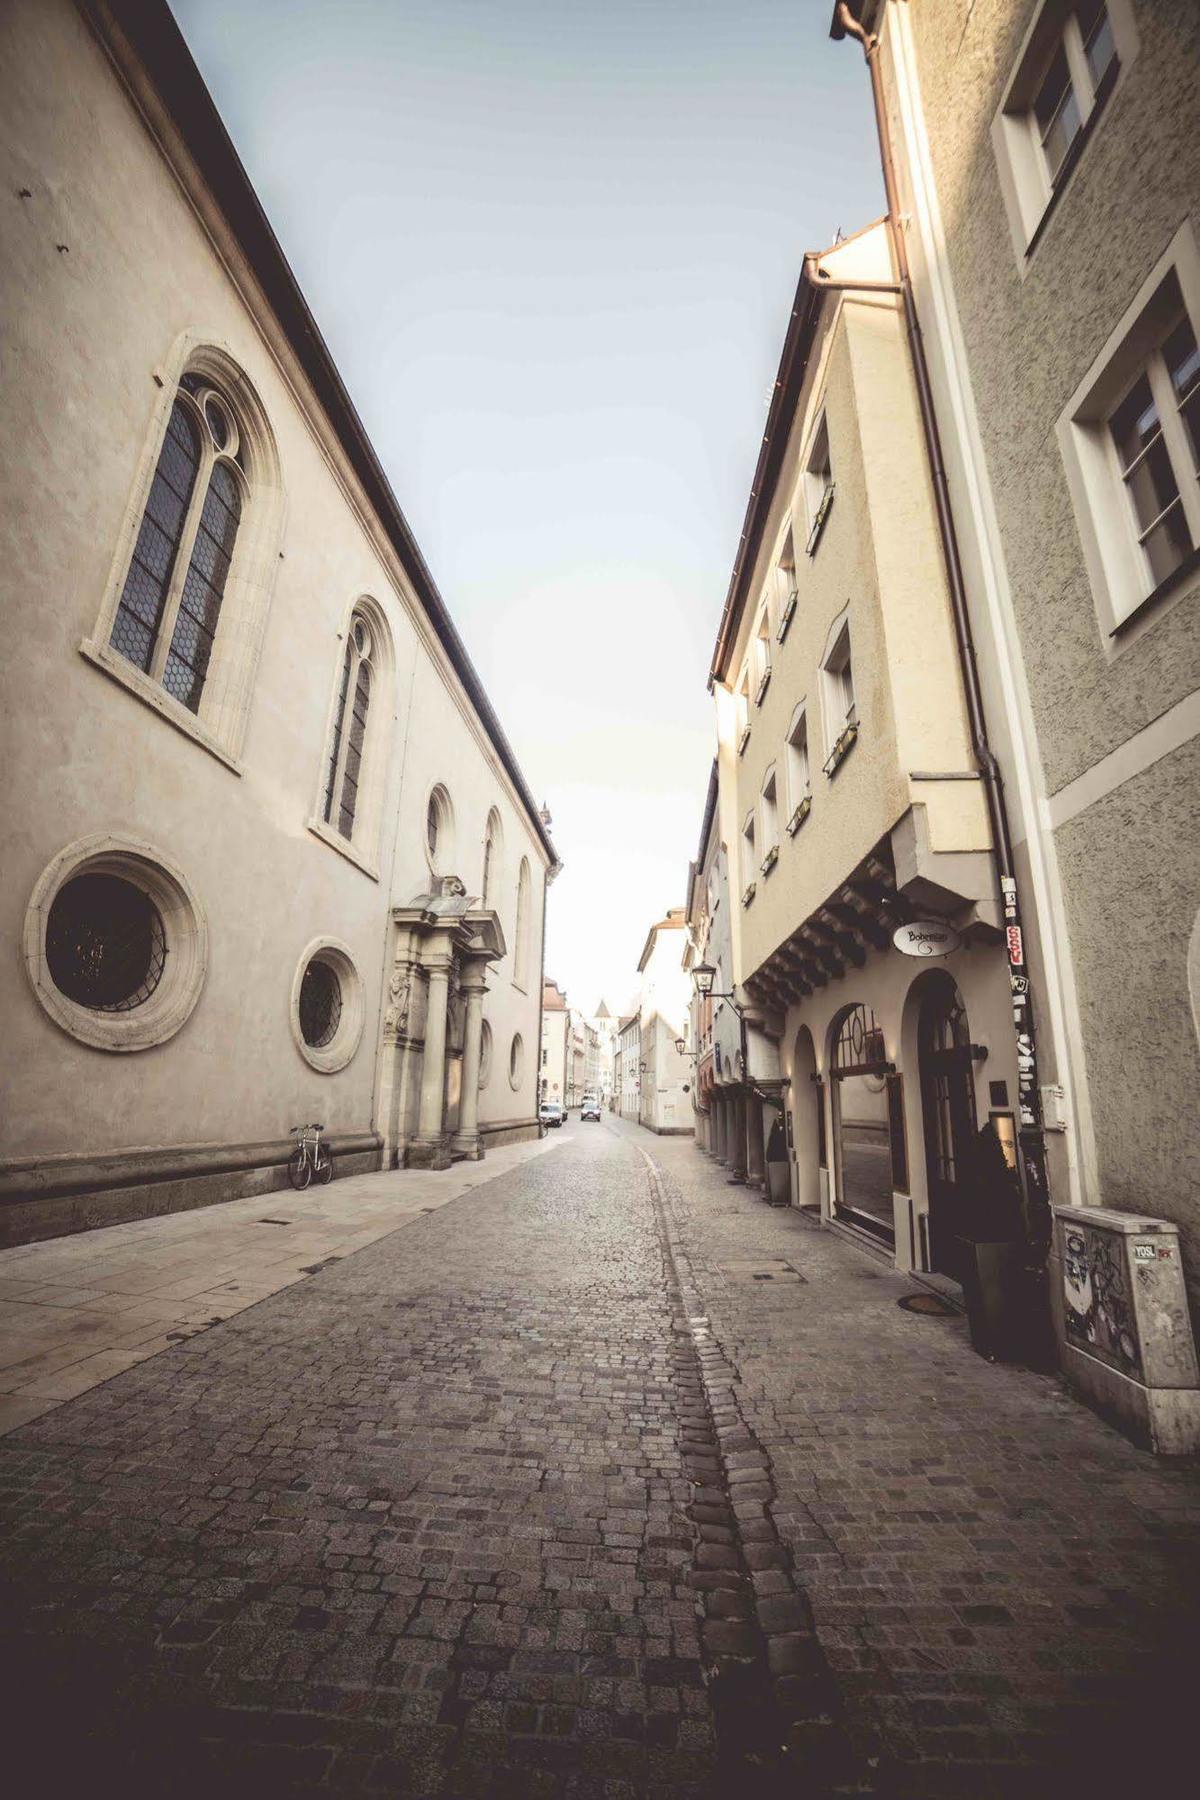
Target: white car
590,1108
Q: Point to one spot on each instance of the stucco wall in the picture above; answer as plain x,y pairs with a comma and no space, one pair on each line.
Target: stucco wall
87,329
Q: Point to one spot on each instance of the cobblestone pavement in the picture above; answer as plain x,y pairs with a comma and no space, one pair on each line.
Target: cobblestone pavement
1007,1592
542,1494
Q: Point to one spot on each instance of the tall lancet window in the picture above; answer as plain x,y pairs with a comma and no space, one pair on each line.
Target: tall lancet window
170,606
349,731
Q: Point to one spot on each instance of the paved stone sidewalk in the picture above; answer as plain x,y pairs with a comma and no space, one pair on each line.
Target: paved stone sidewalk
75,1311
1007,1591
413,1526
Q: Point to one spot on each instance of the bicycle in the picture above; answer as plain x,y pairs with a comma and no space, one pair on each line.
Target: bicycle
310,1158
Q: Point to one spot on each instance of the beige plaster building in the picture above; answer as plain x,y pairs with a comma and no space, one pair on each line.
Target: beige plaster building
627,1073
847,798
1048,169
269,855
718,1088
663,997
556,1044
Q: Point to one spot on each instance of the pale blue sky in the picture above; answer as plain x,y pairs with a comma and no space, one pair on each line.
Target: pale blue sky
553,248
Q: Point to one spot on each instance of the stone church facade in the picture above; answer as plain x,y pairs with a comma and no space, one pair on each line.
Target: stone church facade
269,855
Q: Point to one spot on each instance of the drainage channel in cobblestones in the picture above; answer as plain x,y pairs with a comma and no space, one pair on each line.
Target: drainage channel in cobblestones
775,1702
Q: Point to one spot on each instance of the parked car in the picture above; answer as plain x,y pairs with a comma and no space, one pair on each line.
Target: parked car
591,1108
551,1113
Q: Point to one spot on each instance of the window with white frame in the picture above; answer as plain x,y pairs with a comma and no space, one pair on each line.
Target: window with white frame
769,810
1131,443
1072,58
837,677
749,857
785,583
799,790
741,700
761,656
818,481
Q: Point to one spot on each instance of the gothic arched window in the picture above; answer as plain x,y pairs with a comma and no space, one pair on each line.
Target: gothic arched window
344,772
170,605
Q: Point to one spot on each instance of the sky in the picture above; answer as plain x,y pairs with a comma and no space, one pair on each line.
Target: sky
553,246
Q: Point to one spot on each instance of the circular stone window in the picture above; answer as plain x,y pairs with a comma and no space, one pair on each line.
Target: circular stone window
516,1061
105,943
115,944
327,1006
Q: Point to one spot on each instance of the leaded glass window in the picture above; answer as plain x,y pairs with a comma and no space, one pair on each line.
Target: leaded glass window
344,771
167,617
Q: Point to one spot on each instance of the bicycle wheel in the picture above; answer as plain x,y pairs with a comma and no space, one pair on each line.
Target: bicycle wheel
300,1168
324,1165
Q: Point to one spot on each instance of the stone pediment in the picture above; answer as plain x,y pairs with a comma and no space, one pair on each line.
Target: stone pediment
446,906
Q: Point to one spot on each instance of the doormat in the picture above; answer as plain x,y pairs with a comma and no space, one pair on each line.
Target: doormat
930,1304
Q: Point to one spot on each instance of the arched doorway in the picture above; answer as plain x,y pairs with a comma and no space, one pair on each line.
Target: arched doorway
805,1098
948,1109
862,1149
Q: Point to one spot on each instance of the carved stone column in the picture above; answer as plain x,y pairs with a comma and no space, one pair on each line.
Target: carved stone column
736,1161
756,1164
429,1149
466,1143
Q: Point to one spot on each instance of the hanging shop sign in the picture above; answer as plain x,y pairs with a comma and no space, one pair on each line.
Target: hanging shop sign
926,937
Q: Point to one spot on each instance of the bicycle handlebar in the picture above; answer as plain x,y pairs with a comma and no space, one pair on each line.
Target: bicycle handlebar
313,1127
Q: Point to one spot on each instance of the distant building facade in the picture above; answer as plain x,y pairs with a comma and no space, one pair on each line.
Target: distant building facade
665,1105
556,1042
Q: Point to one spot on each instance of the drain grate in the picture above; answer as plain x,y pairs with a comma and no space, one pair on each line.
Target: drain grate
274,1221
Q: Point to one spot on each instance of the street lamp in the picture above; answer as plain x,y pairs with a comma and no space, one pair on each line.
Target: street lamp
704,975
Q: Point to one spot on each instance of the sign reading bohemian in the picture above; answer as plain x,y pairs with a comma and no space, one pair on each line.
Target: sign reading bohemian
926,937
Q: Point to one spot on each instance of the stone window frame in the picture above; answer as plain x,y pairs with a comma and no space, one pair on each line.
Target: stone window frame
1127,601
362,847
760,652
816,477
493,852
328,1059
749,855
439,806
485,1053
1028,190
787,591
768,811
839,704
220,725
516,1062
185,928
799,766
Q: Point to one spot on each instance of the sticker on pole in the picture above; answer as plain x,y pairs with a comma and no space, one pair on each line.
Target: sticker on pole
926,937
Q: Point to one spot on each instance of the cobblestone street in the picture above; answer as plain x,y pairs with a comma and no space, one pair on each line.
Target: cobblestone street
545,1493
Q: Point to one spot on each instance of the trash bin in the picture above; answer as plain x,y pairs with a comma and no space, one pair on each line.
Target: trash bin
779,1177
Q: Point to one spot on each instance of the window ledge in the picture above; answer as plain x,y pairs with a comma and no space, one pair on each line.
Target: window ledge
789,608
818,524
749,894
763,685
798,817
1071,159
343,846
1187,568
769,861
114,665
743,741
846,740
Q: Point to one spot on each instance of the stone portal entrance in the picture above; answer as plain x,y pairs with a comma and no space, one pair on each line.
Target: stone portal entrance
433,1027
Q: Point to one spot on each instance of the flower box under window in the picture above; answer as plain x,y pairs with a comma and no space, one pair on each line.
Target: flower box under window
743,740
799,815
770,859
785,618
749,894
763,685
818,524
843,745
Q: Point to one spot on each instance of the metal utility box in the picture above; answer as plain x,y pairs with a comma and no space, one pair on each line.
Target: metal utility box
1121,1315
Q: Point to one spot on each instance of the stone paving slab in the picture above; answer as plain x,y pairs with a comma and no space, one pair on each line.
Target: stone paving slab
1007,1591
418,1525
75,1311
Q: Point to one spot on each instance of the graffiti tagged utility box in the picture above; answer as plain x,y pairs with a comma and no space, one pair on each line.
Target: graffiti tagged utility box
1122,1319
